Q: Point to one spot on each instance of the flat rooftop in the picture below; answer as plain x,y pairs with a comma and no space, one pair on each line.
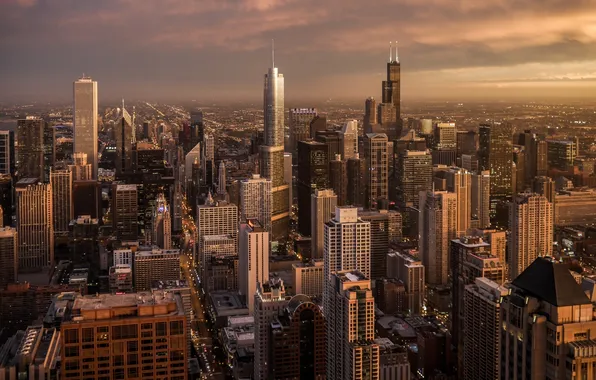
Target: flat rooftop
109,301
126,188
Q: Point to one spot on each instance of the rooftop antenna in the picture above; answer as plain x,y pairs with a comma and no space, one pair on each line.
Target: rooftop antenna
272,53
389,51
396,54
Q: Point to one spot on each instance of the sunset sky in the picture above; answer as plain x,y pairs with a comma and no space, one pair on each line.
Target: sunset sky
217,50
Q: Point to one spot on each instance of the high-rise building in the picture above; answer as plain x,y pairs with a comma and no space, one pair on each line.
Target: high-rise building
81,170
85,120
300,119
272,152
9,249
541,157
309,278
496,155
377,176
30,148
544,186
338,179
409,270
390,295
392,94
269,300
370,114
6,199
313,174
7,153
216,218
120,279
156,264
349,136
547,323
437,226
482,338
346,243
383,229
125,211
445,136
467,143
219,262
221,178
297,342
531,231
124,136
87,198
561,153
350,311
480,201
255,200
119,351
35,225
414,174
459,181
356,186
253,259
161,223
323,204
61,181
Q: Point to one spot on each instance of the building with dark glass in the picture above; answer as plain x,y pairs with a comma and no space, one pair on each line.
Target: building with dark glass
313,174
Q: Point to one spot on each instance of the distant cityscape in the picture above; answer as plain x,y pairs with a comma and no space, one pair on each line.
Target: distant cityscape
375,241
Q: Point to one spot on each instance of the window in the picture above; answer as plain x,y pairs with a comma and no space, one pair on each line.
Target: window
176,328
88,334
71,336
70,352
161,329
132,346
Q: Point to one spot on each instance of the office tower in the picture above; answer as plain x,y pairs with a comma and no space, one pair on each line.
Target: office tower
467,143
161,223
49,150
297,343
346,243
377,175
269,300
349,136
30,142
192,157
445,136
437,226
414,174
318,125
156,264
338,179
85,120
480,200
544,186
61,181
300,119
495,154
382,223
209,148
219,252
459,181
81,170
216,218
553,341
87,198
332,139
33,353
470,258
255,200
7,153
541,158
119,352
221,179
394,363
482,340
409,270
253,259
390,295
309,278
560,154
313,174
370,114
392,94
531,226
584,164
34,225
6,199
349,307
323,204
272,152
356,186
83,240
9,249
387,115
197,127
120,279
125,214
123,134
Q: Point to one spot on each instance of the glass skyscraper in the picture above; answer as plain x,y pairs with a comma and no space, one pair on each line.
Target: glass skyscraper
85,120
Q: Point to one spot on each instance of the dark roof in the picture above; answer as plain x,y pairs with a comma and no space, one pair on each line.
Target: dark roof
551,282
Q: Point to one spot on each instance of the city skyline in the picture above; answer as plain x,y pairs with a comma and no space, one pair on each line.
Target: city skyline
192,51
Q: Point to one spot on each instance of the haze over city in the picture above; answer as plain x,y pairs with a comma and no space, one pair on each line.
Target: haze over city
213,50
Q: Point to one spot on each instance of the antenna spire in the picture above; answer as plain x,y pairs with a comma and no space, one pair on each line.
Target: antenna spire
396,54
390,51
272,54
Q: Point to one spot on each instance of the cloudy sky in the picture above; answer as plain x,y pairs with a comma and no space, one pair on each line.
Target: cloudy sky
214,50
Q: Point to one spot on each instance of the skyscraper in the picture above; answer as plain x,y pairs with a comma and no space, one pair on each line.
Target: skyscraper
155,265
161,223
124,135
85,120
459,181
62,199
383,223
221,179
370,114
480,202
356,186
255,200
392,93
350,310
300,119
81,170
409,270
216,218
338,179
349,136
437,226
34,225
496,155
7,153
323,204
346,243
445,136
30,142
272,152
531,226
560,154
9,250
6,199
313,174
253,260
377,176
125,208
414,174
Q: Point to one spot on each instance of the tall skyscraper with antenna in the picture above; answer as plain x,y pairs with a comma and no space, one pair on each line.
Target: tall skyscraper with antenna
390,108
85,120
272,151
